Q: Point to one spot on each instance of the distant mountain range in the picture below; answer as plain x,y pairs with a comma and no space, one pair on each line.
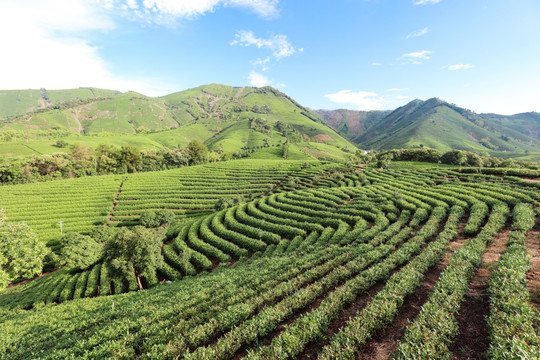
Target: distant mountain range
229,119
437,124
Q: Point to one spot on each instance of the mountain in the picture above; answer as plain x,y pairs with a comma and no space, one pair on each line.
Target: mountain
225,118
351,123
437,124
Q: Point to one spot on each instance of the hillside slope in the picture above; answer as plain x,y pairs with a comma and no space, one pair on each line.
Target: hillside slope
18,102
437,124
225,118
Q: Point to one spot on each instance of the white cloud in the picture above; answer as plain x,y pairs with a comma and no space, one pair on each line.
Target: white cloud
258,80
401,97
397,89
425,2
168,11
460,67
278,44
363,100
418,33
376,64
417,57
263,63
45,47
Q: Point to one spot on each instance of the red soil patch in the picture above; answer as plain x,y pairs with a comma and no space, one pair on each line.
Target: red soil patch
323,137
531,180
34,278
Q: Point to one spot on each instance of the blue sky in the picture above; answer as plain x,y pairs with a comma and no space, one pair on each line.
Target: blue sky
358,54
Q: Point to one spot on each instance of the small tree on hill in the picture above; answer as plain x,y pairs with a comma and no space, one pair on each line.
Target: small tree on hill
133,252
153,219
21,253
384,161
80,251
197,152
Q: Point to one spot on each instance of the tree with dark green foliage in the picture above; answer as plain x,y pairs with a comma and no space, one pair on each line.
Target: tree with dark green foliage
197,152
133,252
383,162
165,216
21,253
102,234
80,252
148,219
153,219
129,158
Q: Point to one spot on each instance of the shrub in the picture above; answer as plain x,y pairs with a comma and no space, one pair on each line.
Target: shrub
80,251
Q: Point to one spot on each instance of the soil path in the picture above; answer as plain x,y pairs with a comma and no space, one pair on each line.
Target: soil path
533,275
115,201
472,341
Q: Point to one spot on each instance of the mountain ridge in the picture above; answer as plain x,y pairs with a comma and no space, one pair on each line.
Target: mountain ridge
438,124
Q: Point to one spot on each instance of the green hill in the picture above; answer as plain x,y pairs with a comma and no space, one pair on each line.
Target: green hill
437,124
18,102
225,118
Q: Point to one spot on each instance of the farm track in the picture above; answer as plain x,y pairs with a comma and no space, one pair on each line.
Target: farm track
472,341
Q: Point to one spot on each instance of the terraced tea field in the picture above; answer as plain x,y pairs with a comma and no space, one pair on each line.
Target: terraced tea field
119,200
418,264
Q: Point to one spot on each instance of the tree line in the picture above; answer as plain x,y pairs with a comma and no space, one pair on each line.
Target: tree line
452,157
105,159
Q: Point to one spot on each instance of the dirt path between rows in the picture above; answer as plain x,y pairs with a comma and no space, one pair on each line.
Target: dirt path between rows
384,343
115,201
533,275
472,341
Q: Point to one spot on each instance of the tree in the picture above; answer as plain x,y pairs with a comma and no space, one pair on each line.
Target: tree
165,216
129,159
61,143
102,234
133,252
148,219
461,159
384,161
21,253
153,219
197,152
80,251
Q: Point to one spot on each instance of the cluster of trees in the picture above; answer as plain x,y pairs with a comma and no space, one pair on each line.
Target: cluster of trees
21,253
105,159
453,157
261,125
125,252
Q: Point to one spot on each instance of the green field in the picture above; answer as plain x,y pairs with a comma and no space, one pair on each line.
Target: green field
316,265
85,202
